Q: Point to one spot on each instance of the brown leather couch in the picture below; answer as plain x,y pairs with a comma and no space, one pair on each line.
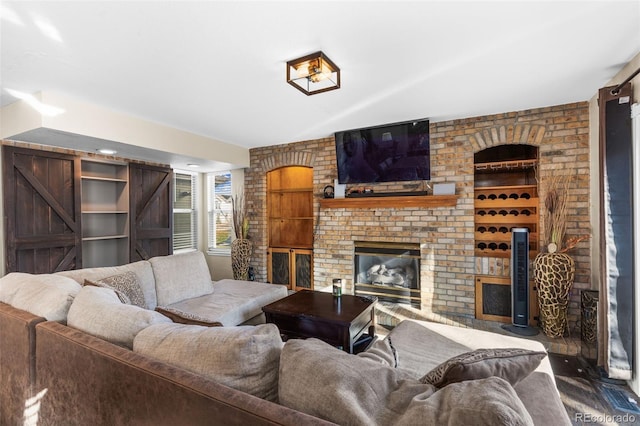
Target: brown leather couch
52,374
17,362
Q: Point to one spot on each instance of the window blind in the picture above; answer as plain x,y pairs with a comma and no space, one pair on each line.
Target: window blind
185,217
219,211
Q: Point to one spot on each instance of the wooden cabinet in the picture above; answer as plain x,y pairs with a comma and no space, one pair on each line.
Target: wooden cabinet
290,226
493,299
291,267
105,213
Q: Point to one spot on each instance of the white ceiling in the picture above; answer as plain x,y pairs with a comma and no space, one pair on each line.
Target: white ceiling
218,68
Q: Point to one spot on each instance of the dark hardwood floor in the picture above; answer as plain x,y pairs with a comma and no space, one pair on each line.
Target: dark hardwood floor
583,393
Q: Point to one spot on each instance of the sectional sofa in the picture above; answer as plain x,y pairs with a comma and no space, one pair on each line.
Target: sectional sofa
71,352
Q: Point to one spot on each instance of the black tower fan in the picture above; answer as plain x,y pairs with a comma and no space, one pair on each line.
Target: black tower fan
520,276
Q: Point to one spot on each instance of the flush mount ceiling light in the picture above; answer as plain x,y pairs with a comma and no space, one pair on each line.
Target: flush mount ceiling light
313,74
107,151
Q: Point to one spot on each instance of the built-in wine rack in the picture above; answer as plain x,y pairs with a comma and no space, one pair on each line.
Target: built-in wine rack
498,209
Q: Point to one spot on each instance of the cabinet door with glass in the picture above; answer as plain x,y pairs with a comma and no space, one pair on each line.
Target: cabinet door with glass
291,267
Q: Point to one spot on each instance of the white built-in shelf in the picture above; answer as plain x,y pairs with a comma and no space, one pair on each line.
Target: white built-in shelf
105,210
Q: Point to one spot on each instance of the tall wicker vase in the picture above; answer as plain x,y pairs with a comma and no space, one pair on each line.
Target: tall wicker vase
554,274
241,249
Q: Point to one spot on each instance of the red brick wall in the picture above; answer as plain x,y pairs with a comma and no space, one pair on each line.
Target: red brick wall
445,234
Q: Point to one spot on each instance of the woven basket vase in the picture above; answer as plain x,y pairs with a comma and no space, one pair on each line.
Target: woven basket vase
554,274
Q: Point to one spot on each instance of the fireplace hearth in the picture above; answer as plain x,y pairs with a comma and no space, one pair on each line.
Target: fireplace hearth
389,271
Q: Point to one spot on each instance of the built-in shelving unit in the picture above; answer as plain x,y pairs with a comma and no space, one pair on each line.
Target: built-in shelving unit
498,209
105,213
290,223
505,197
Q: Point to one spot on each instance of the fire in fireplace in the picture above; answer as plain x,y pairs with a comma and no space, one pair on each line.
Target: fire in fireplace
389,271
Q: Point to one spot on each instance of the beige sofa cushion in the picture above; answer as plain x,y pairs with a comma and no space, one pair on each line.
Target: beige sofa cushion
142,270
181,276
99,312
45,295
352,390
244,358
232,302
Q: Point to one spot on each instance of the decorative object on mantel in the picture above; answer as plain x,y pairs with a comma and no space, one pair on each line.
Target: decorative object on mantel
312,74
554,270
241,247
340,190
328,191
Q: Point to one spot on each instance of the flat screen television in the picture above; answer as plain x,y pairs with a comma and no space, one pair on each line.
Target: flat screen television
389,153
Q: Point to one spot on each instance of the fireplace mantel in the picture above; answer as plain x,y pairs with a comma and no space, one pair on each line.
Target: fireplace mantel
390,202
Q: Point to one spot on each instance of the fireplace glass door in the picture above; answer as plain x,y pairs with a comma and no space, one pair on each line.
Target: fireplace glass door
389,271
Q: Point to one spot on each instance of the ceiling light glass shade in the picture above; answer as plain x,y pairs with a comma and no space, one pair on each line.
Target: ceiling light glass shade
313,74
107,151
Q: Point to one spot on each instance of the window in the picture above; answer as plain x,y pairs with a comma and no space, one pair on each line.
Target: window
185,213
219,211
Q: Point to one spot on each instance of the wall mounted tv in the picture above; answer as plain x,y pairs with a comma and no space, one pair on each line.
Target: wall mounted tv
389,153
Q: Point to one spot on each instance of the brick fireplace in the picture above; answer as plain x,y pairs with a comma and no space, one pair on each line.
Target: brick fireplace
444,234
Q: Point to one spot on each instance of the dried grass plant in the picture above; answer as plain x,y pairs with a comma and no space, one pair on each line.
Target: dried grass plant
240,217
555,210
555,214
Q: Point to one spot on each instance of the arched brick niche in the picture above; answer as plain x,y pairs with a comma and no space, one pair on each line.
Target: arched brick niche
561,135
530,134
264,160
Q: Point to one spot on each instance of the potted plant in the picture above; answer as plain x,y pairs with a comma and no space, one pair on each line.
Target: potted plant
554,269
241,247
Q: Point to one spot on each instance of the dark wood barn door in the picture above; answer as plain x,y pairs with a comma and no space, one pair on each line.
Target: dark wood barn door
42,211
151,207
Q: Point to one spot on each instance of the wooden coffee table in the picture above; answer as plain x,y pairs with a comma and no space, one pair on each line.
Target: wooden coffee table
339,321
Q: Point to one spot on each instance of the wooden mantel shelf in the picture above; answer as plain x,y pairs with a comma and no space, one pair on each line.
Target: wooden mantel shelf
390,202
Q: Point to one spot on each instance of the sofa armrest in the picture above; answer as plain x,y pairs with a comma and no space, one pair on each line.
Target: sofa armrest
17,361
91,381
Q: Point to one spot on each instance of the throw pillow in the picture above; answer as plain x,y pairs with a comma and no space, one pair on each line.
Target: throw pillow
510,364
126,286
182,317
